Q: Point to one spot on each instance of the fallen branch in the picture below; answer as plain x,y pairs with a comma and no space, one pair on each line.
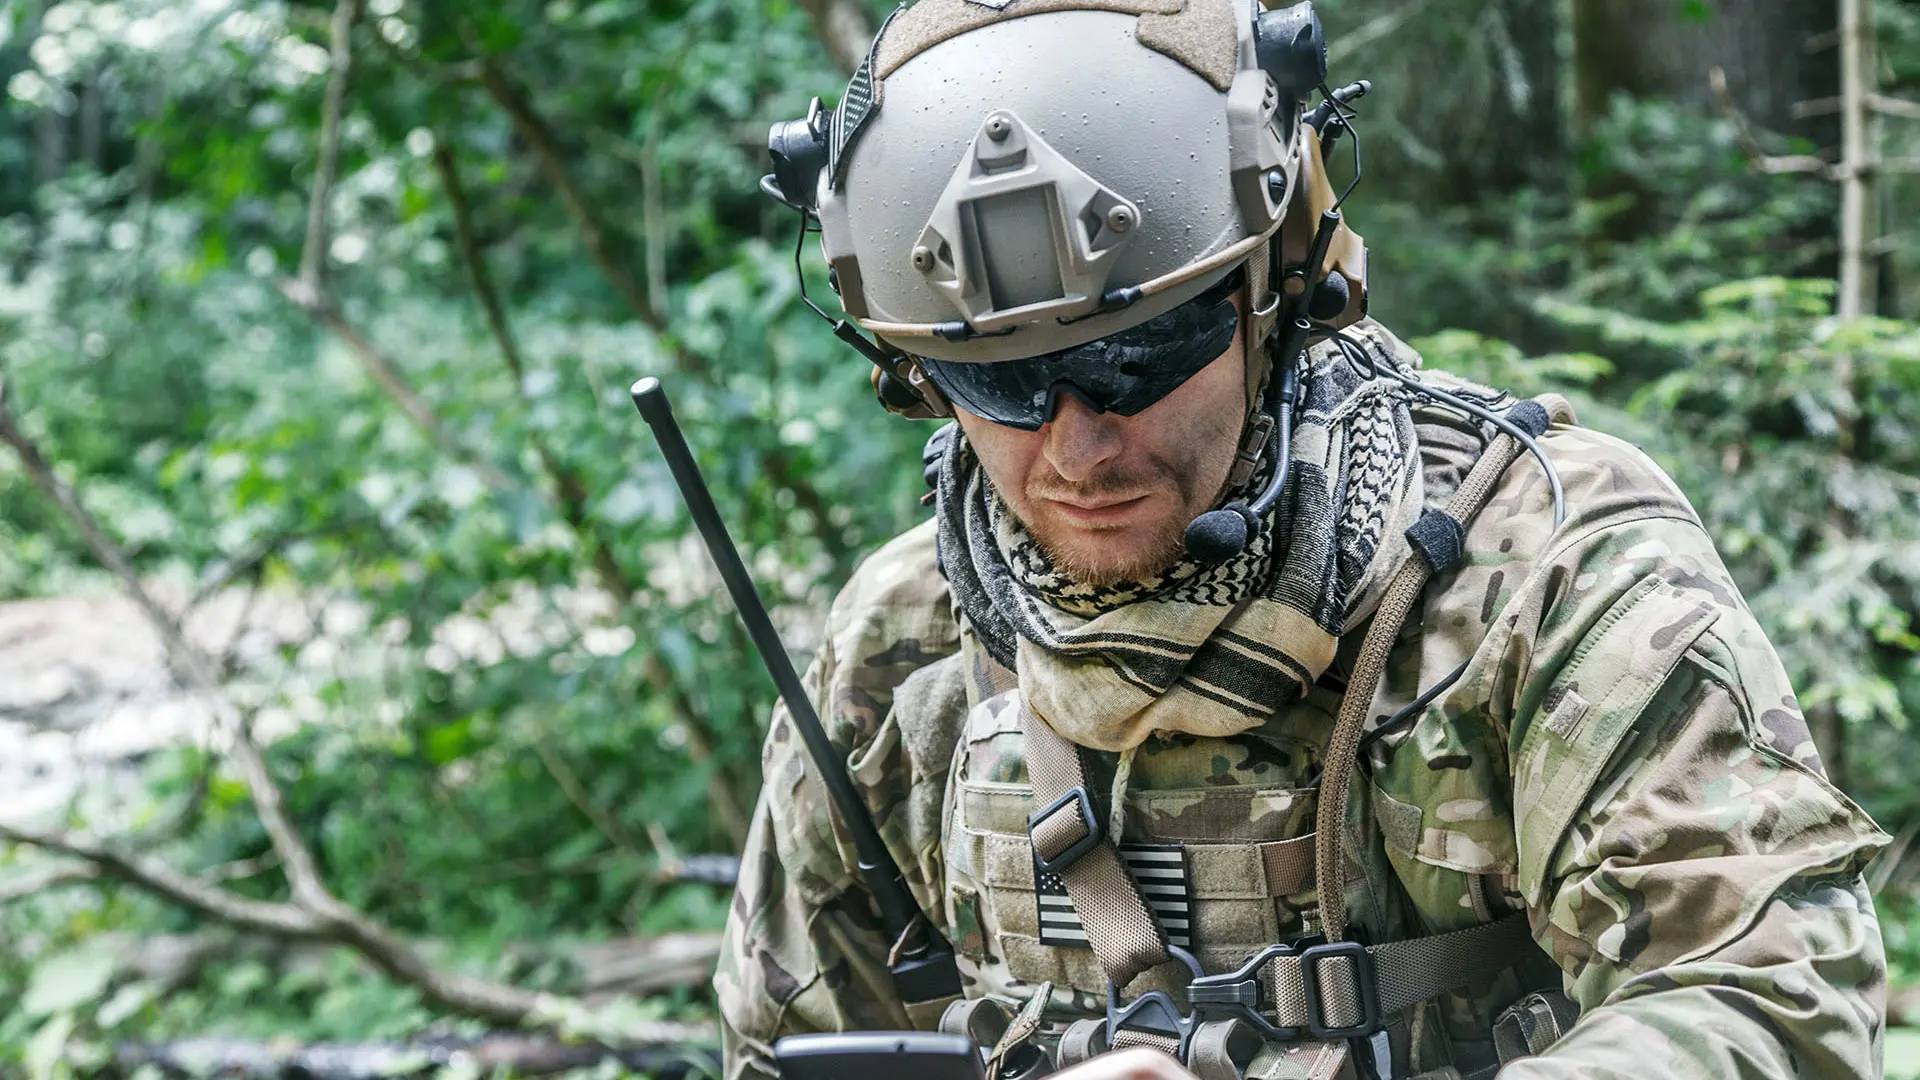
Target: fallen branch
489,1055
315,912
281,920
636,966
21,888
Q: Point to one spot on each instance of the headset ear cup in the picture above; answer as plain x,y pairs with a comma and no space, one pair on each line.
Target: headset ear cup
894,394
936,403
906,391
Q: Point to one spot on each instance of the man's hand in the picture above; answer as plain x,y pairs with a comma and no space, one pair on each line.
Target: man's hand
1139,1063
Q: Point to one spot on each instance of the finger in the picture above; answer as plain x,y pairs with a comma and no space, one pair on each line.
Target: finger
1139,1063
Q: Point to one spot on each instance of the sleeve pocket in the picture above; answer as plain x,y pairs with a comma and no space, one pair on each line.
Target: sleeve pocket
1588,709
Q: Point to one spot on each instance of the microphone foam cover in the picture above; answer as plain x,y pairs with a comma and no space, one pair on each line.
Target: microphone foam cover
1330,298
1217,535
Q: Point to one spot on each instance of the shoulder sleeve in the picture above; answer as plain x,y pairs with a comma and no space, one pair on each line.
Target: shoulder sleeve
1680,852
803,949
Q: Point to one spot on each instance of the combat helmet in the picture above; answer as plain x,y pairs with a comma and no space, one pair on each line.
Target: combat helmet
1074,180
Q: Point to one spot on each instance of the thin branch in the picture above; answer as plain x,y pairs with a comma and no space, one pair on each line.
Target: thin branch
1893,106
82,520
309,291
244,868
1373,30
653,203
546,152
576,793
315,911
1801,110
76,874
323,311
313,256
538,134
245,564
1765,162
469,244
570,489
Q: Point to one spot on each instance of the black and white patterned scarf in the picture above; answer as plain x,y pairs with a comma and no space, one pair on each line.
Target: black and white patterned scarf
1207,649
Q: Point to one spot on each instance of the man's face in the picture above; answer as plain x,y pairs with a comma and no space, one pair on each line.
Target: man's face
1108,497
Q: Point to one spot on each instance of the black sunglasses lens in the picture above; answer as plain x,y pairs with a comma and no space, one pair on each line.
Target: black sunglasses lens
1126,372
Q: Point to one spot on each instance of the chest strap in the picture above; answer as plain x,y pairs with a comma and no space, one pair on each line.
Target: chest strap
1341,990
1069,840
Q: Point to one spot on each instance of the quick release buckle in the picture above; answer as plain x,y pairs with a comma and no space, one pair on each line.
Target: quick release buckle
1238,994
1155,1011
1089,822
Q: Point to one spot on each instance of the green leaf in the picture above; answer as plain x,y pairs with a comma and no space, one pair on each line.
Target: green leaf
124,1003
67,980
46,1053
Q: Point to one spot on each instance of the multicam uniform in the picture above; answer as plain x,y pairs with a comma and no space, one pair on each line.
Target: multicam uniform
1622,759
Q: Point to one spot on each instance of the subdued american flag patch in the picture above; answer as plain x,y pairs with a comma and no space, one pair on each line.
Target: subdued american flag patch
1161,872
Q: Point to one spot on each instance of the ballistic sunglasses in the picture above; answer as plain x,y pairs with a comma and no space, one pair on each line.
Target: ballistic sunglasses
1125,372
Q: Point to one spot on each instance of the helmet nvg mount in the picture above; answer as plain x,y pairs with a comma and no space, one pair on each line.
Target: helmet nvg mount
1014,179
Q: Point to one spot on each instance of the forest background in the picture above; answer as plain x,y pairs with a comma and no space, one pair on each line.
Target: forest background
316,325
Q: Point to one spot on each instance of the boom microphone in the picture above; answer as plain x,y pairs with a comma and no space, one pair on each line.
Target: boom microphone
1218,535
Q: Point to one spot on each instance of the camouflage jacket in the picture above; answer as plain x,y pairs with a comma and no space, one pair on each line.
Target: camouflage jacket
1622,759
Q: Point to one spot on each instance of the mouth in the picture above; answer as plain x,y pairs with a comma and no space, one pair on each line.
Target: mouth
1104,512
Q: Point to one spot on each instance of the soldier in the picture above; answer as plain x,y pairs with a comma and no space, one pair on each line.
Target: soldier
1237,634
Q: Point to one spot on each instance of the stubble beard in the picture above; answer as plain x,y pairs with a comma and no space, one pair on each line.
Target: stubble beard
1151,547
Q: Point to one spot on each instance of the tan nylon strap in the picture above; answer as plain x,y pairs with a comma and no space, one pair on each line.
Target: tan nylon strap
1125,934
1343,747
1128,1038
1406,972
1288,865
1021,1030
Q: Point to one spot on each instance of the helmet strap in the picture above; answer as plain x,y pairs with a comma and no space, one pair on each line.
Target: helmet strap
1262,305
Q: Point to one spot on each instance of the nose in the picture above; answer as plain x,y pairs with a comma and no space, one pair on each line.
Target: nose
1078,440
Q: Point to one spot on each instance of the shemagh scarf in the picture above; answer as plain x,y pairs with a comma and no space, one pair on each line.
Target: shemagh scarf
1208,649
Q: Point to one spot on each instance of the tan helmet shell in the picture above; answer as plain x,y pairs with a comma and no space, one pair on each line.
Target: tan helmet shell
1024,161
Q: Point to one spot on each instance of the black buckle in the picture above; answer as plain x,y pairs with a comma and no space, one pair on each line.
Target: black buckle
1088,821
1363,979
1237,993
1155,1010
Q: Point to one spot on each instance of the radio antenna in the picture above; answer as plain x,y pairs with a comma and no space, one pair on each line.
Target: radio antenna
924,968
